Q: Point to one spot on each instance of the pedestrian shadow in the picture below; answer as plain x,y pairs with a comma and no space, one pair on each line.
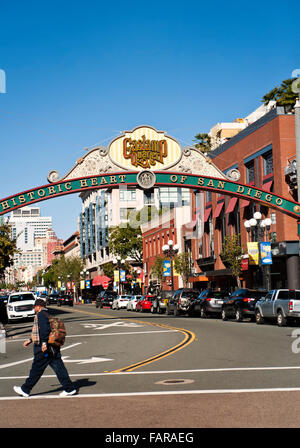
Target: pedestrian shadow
78,384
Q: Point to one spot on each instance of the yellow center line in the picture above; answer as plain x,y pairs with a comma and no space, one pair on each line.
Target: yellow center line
189,337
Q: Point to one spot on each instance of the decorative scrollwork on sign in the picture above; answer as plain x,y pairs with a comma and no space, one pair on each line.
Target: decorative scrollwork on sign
146,179
233,174
103,151
53,176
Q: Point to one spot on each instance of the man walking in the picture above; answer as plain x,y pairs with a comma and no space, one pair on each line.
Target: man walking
44,355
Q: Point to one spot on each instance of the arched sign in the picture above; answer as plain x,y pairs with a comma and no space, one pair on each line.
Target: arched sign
145,158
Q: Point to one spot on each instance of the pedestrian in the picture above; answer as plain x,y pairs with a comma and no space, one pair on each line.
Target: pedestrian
3,317
44,355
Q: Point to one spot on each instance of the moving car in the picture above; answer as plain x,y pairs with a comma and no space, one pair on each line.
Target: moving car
20,306
241,304
65,299
280,305
181,301
145,303
106,298
52,299
209,302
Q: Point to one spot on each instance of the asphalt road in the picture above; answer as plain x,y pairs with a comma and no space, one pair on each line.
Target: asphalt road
138,370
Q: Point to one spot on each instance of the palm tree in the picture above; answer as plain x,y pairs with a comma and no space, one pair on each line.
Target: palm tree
203,142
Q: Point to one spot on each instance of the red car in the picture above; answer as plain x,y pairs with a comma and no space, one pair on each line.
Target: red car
145,303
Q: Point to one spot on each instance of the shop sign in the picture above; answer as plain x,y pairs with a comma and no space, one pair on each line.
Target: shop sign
144,148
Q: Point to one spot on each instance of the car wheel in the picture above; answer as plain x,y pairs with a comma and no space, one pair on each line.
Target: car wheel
281,320
97,305
238,315
224,316
203,313
152,309
258,318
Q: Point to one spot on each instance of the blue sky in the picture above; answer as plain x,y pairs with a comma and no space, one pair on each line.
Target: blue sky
78,73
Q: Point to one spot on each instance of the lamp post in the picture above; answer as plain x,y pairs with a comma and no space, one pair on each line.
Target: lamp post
118,261
256,228
171,251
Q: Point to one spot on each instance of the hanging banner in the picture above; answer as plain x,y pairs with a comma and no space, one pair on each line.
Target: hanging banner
82,284
116,276
253,253
166,268
122,276
59,284
88,284
265,253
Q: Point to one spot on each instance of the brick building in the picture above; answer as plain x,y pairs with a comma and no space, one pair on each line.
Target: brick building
261,152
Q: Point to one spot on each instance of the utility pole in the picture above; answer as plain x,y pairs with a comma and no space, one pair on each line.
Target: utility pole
297,135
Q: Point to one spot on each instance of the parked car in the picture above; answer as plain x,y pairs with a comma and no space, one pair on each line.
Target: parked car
20,305
241,304
65,299
159,303
209,302
131,305
181,301
106,298
280,305
145,303
52,299
120,302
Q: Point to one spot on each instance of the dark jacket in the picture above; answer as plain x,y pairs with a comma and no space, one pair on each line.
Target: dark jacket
3,314
44,326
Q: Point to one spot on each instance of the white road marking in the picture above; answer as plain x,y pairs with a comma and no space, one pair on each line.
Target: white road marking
91,360
4,366
172,392
105,334
165,372
99,326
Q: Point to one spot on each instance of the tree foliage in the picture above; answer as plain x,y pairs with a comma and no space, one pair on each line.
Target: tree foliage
65,270
203,142
157,270
126,242
231,255
283,94
182,265
8,247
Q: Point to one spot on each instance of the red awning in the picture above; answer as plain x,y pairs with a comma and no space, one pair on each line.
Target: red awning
206,214
267,186
244,203
101,280
218,209
231,205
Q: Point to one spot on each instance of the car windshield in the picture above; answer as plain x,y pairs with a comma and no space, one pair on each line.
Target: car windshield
21,297
247,293
190,294
217,294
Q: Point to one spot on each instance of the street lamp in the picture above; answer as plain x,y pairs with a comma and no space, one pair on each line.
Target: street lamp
170,251
118,261
256,228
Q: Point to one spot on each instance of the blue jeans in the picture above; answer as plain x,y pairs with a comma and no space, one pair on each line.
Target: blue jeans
41,362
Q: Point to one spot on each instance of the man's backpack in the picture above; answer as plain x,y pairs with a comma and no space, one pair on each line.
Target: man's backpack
58,332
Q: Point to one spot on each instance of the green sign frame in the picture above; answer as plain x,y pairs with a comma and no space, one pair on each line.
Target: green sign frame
162,178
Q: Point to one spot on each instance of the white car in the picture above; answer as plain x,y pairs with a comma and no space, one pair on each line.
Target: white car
131,305
120,302
20,305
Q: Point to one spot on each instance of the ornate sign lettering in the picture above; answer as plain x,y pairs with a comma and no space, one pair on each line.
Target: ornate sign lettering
144,152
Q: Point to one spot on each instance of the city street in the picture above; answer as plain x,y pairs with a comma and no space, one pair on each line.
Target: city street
148,370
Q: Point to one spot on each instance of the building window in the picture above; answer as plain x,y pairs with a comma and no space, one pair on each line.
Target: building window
127,194
250,172
149,197
268,163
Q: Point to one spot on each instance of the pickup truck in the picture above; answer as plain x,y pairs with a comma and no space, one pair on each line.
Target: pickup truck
281,305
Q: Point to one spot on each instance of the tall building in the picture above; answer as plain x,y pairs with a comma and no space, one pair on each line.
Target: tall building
103,209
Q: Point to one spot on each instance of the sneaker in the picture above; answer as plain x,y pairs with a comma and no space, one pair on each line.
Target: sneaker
64,393
20,391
